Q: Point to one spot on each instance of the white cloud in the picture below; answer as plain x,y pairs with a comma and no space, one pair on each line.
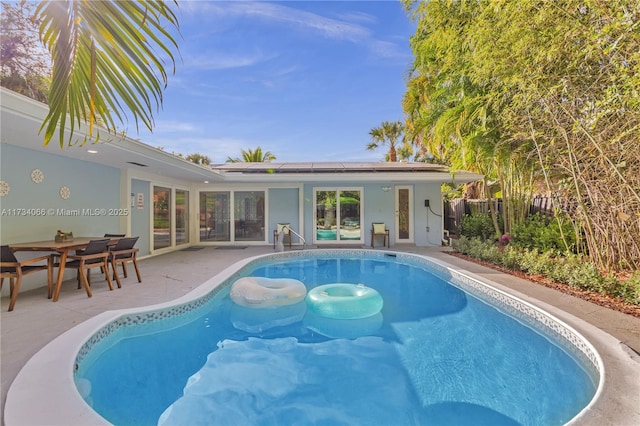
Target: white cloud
363,17
387,49
349,27
220,61
279,14
174,126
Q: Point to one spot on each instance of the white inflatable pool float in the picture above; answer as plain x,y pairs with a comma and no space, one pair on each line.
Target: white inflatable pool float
261,292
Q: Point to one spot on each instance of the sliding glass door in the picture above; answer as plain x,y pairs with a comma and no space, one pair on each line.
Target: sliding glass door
249,215
338,215
244,222
161,217
214,216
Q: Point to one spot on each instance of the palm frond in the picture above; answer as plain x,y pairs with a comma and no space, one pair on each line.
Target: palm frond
106,62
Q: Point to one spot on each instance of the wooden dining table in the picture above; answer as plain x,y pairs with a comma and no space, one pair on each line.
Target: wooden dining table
61,247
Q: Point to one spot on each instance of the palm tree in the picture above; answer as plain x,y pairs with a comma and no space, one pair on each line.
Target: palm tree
203,160
106,61
390,133
253,156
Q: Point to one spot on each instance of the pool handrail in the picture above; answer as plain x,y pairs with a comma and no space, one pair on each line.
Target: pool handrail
304,243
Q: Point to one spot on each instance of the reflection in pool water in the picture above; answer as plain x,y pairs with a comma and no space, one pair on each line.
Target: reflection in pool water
434,355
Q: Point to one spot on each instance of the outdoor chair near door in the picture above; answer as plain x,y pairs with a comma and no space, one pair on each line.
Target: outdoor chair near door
123,252
11,268
95,255
379,229
286,235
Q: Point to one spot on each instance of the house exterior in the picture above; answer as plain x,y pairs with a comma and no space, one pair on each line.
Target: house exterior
120,185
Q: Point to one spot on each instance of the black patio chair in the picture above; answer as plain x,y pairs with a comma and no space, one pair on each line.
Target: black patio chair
123,252
11,268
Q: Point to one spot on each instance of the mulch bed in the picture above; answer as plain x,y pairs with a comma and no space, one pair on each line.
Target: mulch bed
604,300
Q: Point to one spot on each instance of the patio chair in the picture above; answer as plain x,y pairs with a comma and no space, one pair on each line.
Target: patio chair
122,253
379,229
286,236
95,255
14,270
106,236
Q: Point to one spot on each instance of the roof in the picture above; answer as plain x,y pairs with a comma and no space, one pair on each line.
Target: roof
329,167
342,172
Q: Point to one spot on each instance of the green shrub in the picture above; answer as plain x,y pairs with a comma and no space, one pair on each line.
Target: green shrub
511,257
478,248
628,290
570,268
536,263
464,245
477,226
543,234
580,274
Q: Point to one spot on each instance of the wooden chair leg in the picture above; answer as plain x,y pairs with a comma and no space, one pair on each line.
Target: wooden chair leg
49,279
135,265
83,277
124,269
14,291
114,266
108,275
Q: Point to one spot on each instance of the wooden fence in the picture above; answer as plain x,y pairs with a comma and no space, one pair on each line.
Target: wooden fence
454,210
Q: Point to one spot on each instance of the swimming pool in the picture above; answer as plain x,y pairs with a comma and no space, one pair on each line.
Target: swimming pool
403,354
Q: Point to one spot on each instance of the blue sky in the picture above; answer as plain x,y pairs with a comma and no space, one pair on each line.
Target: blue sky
305,80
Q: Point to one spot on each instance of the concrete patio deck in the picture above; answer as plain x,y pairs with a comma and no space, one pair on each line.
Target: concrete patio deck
37,320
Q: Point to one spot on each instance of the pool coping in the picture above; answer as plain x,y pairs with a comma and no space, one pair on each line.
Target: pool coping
57,359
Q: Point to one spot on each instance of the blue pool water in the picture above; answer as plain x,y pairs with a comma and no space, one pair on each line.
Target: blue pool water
433,355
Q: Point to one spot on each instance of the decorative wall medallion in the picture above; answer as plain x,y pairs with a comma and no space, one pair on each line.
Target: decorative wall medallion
4,188
37,176
65,192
